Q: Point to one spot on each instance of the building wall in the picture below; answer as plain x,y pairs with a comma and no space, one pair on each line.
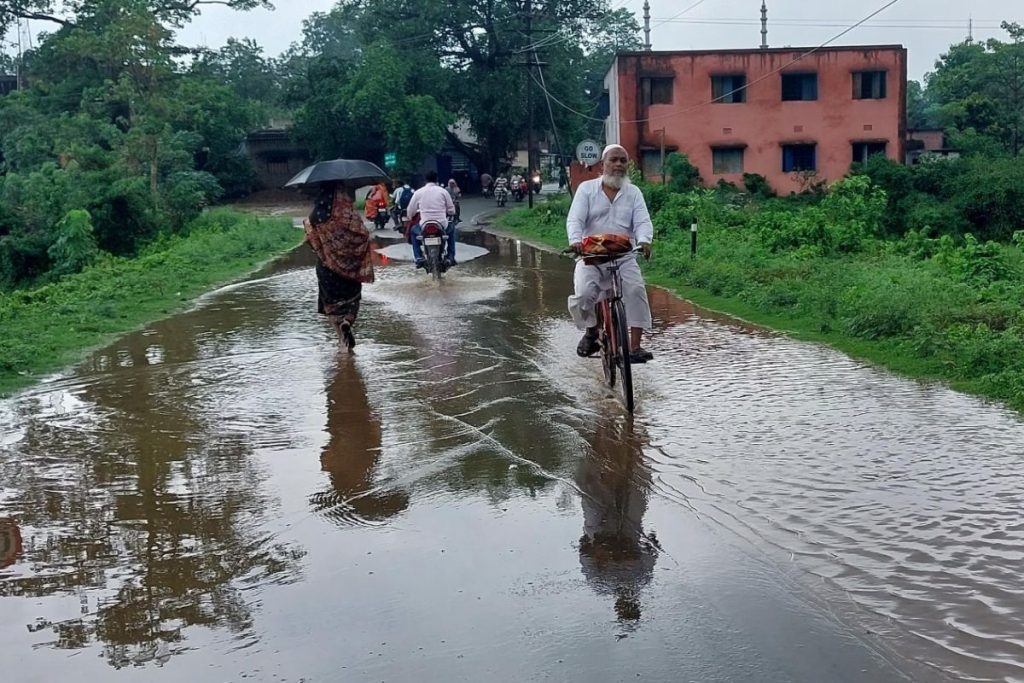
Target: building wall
764,122
931,139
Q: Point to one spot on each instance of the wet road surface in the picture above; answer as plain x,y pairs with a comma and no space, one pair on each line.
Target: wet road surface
225,496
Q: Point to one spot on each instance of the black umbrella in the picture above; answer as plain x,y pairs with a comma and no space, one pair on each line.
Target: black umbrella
352,173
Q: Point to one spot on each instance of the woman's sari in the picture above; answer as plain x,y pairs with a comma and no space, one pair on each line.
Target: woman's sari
336,233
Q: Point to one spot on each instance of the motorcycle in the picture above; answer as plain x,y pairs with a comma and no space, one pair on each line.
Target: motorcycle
519,191
501,195
537,184
381,218
434,245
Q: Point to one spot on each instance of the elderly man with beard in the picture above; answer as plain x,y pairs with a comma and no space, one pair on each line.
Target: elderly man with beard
602,206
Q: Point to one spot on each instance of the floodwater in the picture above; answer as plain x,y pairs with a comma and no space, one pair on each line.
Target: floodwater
225,496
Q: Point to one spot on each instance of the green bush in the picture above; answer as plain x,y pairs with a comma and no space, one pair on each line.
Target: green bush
75,247
758,185
683,176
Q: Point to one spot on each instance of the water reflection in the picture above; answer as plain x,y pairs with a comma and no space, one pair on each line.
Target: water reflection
616,555
10,542
352,452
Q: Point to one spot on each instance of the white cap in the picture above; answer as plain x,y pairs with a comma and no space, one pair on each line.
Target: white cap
611,148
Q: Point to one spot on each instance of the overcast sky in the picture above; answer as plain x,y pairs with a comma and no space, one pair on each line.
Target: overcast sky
925,27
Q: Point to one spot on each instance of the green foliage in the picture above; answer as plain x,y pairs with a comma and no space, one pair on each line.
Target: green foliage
186,195
932,302
758,185
75,246
362,110
45,327
116,128
683,175
977,94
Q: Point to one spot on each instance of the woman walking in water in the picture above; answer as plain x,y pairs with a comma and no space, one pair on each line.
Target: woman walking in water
341,242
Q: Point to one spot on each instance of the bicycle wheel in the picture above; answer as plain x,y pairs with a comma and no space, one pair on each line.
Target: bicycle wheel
621,331
607,345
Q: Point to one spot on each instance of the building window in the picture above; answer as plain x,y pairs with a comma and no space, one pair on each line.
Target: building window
650,162
726,160
863,150
799,87
656,90
729,89
869,85
799,158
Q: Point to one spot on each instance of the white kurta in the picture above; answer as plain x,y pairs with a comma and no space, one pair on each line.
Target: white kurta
592,213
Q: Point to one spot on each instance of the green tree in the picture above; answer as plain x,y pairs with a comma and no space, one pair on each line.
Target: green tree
978,89
482,48
364,110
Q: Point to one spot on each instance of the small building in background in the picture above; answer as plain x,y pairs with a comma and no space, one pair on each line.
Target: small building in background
275,156
924,144
792,115
8,83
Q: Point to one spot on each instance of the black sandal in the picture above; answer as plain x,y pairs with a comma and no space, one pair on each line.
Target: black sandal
346,334
588,346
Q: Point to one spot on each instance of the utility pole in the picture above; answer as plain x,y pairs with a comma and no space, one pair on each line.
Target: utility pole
529,104
17,70
664,180
647,25
764,25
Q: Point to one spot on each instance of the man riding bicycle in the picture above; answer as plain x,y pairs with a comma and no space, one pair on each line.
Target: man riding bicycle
610,205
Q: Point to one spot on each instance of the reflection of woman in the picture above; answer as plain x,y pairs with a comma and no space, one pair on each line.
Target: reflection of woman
342,245
616,555
10,542
350,456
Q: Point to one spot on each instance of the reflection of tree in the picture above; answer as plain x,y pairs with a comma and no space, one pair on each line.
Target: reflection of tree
144,510
351,454
616,555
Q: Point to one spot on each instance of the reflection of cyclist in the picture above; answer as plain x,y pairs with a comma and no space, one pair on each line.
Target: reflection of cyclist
616,556
610,205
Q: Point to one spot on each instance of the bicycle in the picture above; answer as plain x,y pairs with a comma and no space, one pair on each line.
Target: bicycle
612,328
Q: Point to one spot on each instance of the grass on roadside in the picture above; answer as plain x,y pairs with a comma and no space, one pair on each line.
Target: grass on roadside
44,329
928,309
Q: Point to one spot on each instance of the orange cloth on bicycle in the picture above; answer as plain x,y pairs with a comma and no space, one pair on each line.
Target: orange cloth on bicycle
606,245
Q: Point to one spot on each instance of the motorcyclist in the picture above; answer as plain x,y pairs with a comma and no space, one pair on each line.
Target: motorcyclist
401,198
376,200
501,188
433,203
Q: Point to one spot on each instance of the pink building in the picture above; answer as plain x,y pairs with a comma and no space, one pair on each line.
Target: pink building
768,111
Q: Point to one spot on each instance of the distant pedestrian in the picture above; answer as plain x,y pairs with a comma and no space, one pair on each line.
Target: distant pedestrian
456,194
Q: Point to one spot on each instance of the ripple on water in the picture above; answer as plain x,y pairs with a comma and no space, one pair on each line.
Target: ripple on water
904,494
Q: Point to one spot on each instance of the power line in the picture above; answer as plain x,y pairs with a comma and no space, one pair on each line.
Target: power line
824,24
675,17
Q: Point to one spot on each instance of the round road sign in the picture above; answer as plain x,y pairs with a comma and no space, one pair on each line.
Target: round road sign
588,152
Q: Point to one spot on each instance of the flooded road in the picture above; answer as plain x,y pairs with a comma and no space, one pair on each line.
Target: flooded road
223,496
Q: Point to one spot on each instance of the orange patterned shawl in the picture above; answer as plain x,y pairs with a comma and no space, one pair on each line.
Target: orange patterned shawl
342,241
